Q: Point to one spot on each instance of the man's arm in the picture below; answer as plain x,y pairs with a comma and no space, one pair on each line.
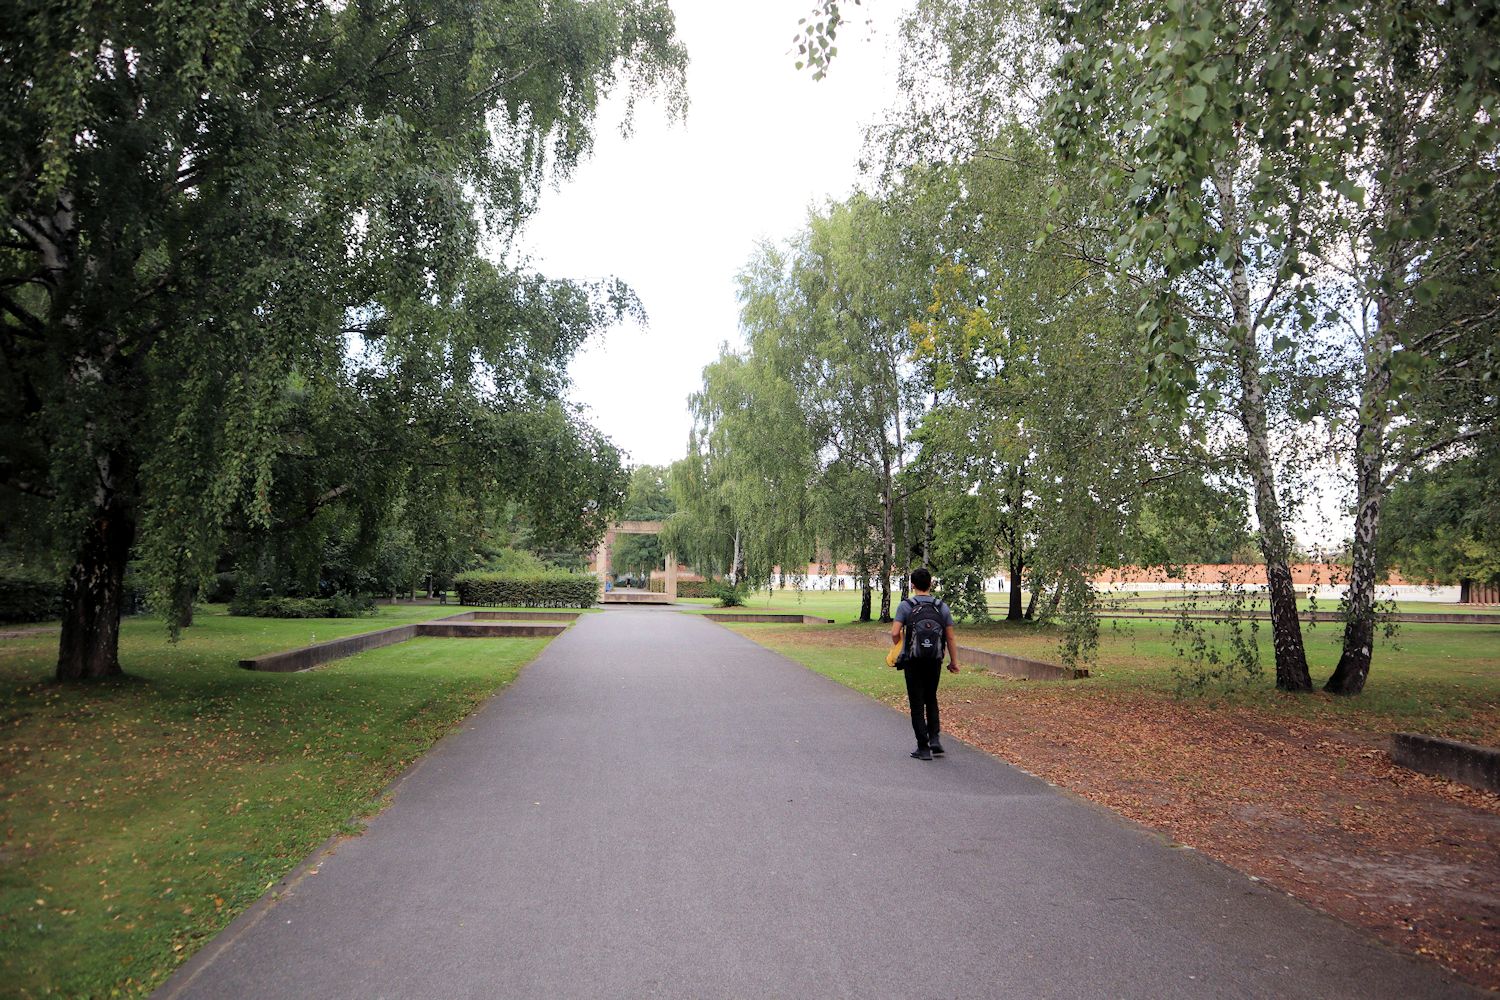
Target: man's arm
952,641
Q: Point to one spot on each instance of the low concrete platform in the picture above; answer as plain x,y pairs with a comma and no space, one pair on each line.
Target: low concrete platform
459,626
488,630
634,597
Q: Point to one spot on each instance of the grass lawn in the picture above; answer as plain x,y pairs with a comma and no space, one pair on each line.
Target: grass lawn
140,815
1438,679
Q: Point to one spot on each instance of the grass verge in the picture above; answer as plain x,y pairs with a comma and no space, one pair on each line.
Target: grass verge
140,815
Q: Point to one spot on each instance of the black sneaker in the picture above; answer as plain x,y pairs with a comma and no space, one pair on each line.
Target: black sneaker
936,748
922,753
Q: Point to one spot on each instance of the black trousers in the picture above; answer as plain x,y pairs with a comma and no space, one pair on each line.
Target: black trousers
921,692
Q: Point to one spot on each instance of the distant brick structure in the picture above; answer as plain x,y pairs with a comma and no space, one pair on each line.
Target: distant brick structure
602,560
1474,592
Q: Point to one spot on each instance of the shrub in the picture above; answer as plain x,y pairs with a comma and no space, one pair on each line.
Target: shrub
728,595
688,588
221,588
337,606
29,599
554,589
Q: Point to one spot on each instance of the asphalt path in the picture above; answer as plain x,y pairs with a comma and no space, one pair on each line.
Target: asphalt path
659,807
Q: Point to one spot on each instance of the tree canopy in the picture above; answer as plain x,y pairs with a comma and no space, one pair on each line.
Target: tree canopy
220,218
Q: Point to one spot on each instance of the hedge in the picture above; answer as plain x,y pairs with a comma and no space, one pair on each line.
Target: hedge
337,606
24,599
28,599
527,590
687,588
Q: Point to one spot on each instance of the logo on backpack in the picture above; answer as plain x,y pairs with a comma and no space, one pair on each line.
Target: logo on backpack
924,633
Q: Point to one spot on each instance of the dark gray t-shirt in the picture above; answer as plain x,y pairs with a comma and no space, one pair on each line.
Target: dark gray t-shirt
904,608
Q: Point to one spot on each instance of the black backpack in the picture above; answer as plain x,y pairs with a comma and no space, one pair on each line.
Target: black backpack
924,632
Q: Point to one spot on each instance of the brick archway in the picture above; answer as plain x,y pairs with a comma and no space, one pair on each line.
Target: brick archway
602,555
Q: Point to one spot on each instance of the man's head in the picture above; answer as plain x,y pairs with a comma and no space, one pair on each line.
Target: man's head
921,578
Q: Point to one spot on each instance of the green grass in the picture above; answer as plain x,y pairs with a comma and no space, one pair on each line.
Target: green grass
140,815
1439,679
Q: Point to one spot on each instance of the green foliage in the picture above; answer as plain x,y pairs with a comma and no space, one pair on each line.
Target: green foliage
965,553
1187,519
29,599
1218,652
689,589
729,595
337,606
221,589
529,590
1443,523
516,562
700,530
223,218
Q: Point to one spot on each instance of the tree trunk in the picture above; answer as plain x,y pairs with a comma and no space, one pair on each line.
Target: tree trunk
1286,628
927,533
1359,604
1017,556
864,587
1013,613
89,647
734,560
1369,464
887,538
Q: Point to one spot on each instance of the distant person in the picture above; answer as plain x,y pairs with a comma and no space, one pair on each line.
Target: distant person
921,633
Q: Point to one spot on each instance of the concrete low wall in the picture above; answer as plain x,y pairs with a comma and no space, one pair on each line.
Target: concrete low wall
488,630
765,616
1010,666
459,626
1017,666
515,616
633,597
1463,762
335,649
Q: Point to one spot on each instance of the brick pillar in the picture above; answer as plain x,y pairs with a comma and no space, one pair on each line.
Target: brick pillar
672,577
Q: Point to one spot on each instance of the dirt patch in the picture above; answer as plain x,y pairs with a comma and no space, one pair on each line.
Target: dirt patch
1319,813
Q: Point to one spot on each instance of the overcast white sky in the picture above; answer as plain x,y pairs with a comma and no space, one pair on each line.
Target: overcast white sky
676,209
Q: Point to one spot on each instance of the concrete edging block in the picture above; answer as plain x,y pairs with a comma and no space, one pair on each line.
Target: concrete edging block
1019,666
460,626
335,649
1011,666
487,630
1467,763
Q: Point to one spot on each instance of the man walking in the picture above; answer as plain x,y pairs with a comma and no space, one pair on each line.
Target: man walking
924,630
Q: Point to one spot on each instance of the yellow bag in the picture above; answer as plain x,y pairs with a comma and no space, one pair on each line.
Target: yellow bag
890,658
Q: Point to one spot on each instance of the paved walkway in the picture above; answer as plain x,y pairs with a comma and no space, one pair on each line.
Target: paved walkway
660,808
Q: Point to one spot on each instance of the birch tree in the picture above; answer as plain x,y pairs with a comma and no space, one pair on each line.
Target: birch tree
198,207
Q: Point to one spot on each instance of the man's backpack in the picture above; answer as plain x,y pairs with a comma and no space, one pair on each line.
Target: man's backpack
924,633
